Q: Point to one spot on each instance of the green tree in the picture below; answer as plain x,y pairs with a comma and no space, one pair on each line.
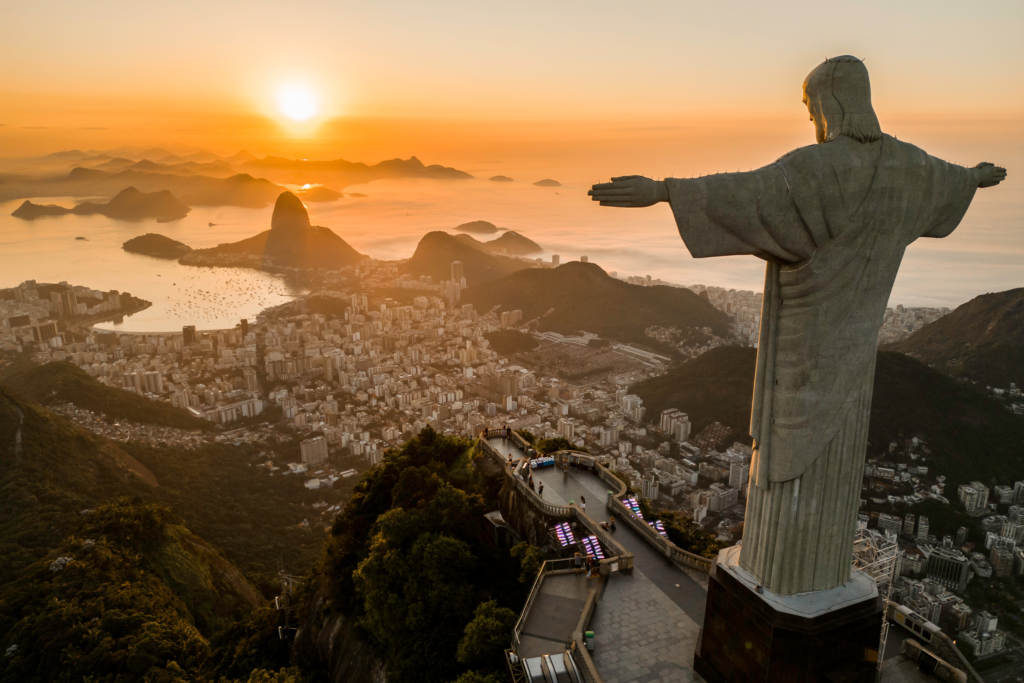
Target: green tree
487,635
530,561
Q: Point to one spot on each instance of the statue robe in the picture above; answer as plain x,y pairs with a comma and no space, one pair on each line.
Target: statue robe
833,221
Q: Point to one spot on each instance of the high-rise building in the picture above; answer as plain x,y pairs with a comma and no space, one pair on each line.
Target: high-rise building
974,496
1001,559
555,259
189,336
457,272
44,331
908,525
245,326
584,259
649,486
314,451
251,382
922,529
890,523
961,537
739,474
1018,492
950,568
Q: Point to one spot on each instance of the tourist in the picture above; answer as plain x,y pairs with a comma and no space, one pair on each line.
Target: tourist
583,503
541,490
579,561
611,522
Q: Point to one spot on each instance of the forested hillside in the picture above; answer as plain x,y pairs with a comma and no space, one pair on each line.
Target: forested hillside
97,582
407,564
581,296
971,436
63,381
982,340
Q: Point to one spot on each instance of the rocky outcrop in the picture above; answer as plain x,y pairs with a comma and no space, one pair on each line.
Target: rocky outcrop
289,214
157,246
291,242
326,642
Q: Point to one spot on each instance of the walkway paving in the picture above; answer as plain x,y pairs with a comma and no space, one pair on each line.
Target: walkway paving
646,622
555,613
641,635
506,446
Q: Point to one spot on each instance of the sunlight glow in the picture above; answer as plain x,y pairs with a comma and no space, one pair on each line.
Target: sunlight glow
297,102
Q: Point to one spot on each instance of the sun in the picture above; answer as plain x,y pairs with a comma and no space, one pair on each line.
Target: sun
297,102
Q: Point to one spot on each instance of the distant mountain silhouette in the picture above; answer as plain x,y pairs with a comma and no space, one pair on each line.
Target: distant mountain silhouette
132,205
581,296
129,205
982,340
319,194
30,211
341,173
478,227
501,179
291,242
195,190
436,251
548,182
114,164
971,436
510,243
157,246
513,243
240,157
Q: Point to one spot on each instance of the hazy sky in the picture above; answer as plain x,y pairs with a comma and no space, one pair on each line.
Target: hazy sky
204,72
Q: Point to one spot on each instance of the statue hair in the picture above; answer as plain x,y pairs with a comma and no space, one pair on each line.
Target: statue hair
839,92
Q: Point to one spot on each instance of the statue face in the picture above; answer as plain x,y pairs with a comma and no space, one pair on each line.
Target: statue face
819,125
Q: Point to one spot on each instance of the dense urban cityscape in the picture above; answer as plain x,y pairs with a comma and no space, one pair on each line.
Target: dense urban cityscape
354,372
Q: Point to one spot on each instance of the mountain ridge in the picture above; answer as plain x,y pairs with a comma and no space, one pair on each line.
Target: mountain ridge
982,340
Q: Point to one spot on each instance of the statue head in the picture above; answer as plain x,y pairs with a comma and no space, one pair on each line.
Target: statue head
838,96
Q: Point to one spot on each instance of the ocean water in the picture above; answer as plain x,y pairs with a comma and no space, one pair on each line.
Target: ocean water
985,254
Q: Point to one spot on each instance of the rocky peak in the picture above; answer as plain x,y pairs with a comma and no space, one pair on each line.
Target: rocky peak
289,213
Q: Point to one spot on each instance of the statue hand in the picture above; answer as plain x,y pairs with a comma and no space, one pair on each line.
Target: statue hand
989,174
630,191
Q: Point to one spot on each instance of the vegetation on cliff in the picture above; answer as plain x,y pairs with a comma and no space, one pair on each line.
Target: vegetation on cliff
982,340
63,381
969,435
408,563
581,296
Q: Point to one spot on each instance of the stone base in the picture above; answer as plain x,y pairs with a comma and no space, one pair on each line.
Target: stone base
824,637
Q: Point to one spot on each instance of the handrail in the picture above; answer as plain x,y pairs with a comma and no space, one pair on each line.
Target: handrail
662,544
545,567
580,653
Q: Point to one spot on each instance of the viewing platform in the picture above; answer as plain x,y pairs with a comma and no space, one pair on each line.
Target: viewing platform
645,605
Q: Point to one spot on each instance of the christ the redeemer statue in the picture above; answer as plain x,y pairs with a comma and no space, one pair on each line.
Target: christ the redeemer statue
832,220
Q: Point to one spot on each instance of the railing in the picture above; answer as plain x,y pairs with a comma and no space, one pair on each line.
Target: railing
547,567
579,648
662,544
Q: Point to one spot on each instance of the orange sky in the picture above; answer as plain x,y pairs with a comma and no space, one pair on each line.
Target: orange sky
546,84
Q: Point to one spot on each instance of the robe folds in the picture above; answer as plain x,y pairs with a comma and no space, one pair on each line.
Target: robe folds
833,221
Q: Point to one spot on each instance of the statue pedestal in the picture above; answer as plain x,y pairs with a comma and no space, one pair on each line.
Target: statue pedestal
823,637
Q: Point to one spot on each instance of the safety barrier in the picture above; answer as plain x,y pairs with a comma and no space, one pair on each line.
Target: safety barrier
548,567
579,647
662,544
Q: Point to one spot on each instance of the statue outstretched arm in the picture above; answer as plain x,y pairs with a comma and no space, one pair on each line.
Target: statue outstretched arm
631,191
988,174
